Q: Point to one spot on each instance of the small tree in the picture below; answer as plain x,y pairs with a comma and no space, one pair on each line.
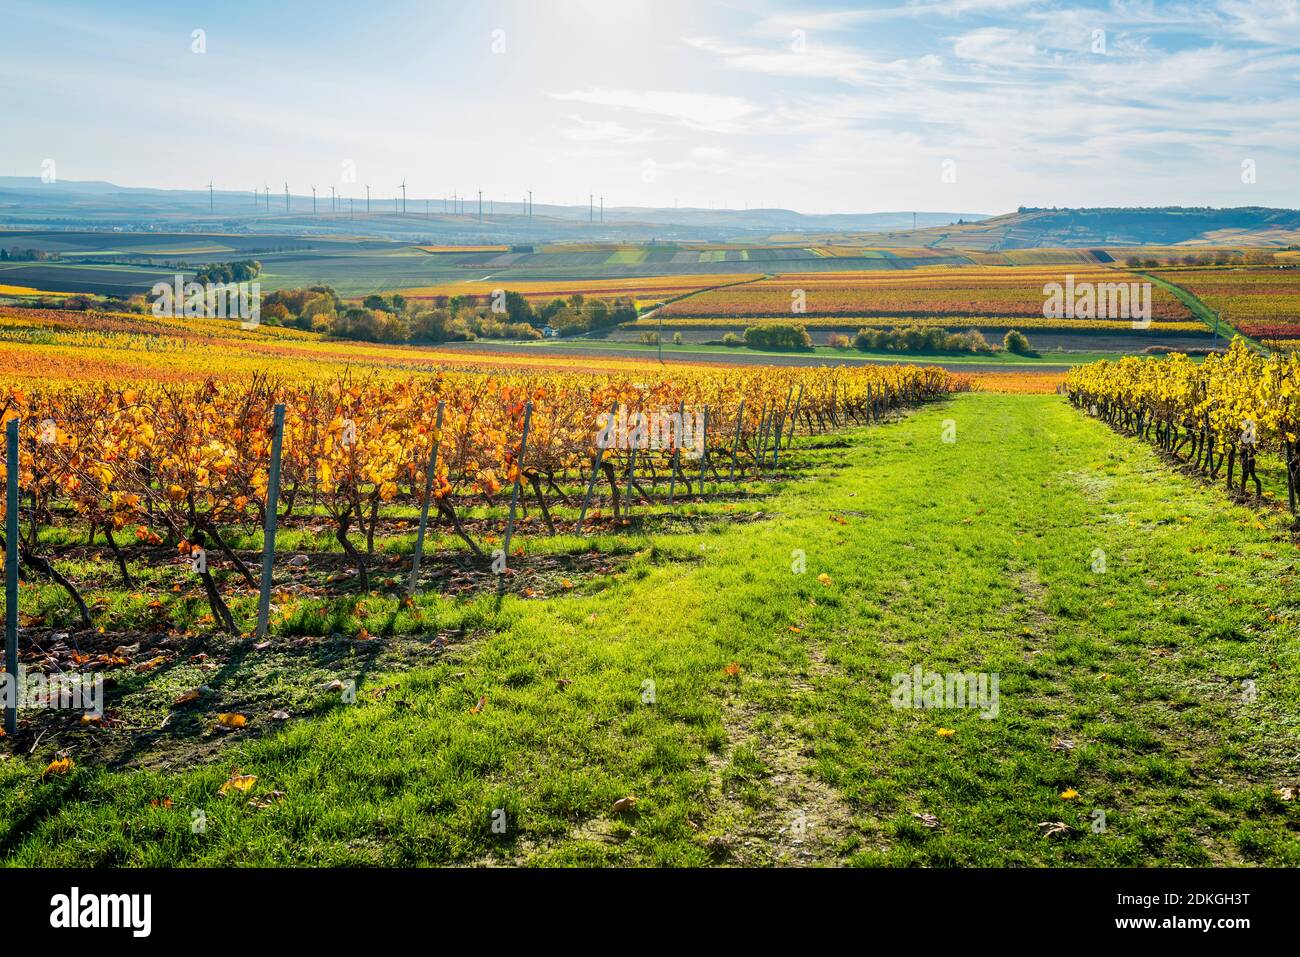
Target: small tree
1016,342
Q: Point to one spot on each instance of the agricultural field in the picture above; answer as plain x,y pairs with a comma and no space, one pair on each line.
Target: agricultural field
992,299
365,719
1260,302
645,290
509,593
960,293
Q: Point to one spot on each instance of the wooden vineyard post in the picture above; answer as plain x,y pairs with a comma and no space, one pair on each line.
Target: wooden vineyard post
595,468
428,497
735,442
794,416
272,512
631,480
704,447
780,427
762,439
519,476
11,579
677,452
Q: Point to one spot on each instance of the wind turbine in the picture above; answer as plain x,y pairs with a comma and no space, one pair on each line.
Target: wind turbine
209,194
480,205
530,204
367,199
286,197
313,200
591,207
333,207
267,187
403,189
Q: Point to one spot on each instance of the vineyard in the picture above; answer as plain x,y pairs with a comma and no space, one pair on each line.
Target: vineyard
1221,416
945,292
174,473
1261,302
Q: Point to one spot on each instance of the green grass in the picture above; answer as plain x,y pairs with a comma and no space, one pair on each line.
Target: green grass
978,555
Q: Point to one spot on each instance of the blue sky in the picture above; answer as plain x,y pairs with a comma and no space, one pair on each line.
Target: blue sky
813,106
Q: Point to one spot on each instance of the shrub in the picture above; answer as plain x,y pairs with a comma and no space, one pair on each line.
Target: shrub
838,340
731,339
919,339
1016,342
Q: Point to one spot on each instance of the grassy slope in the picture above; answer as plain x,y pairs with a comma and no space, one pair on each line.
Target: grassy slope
971,556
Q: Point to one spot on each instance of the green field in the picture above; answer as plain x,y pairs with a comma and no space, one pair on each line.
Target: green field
746,703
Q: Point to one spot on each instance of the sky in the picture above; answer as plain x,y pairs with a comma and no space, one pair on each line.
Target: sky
974,106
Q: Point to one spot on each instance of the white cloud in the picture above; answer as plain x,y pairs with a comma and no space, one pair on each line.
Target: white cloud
604,131
701,111
996,46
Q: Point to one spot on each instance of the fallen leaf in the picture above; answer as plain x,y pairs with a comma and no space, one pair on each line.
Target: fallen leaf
624,805
164,802
58,766
929,820
732,670
946,732
279,715
482,703
1053,828
230,719
242,783
1069,794
192,695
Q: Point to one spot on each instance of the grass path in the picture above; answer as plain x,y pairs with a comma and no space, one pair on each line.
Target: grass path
1142,628
1199,309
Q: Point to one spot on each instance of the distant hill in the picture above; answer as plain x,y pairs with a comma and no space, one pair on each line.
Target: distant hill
27,202
1031,227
